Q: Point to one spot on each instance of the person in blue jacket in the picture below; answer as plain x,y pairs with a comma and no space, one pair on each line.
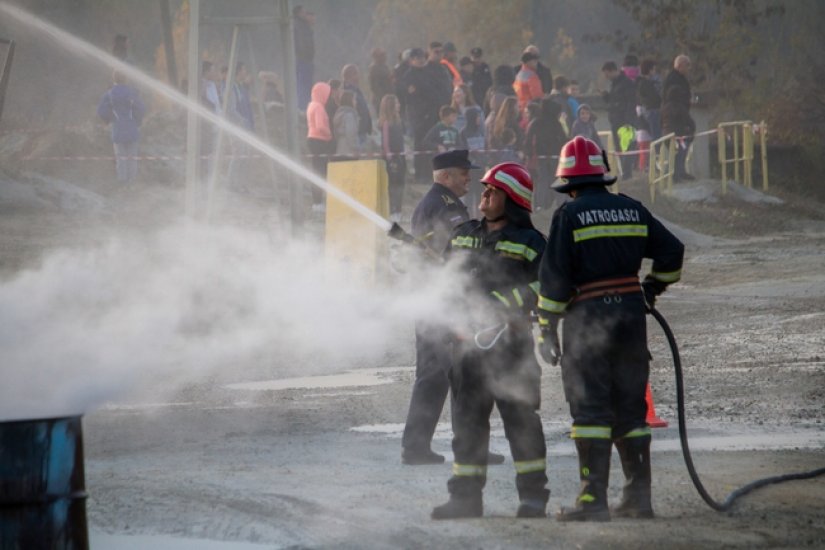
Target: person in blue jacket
122,107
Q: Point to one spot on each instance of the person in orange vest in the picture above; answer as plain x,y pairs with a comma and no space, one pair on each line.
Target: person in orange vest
450,61
528,84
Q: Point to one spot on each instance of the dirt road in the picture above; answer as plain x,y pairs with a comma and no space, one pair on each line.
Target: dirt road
252,456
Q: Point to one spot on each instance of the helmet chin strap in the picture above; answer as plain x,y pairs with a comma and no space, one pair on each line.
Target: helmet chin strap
498,219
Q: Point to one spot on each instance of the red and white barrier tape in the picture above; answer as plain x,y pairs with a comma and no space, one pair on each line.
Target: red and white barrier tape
635,152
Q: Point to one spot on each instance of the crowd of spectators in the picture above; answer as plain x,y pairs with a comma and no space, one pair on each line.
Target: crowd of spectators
436,100
513,112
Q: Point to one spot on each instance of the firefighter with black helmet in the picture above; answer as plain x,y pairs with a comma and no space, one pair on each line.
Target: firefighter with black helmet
589,275
497,365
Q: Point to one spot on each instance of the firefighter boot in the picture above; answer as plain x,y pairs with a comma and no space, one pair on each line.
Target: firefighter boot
460,506
465,499
594,471
635,455
533,506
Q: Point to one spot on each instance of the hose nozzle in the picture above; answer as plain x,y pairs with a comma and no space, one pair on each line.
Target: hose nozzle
397,232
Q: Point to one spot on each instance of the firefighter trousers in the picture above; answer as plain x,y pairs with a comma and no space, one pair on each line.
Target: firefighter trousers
509,377
434,358
605,362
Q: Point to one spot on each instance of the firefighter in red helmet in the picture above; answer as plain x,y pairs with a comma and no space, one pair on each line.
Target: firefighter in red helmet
589,275
500,253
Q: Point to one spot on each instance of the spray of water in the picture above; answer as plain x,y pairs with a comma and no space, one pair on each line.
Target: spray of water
85,49
147,315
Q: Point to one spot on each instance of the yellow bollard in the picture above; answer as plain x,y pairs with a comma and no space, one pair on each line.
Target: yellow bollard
352,240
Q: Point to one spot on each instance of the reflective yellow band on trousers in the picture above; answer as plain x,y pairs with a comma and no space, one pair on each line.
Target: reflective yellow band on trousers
529,466
638,432
591,432
469,470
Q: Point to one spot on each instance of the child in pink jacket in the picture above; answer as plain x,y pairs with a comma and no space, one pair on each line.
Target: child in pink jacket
319,138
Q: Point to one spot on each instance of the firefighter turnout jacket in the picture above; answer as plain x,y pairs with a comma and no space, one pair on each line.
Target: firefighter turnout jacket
596,246
503,265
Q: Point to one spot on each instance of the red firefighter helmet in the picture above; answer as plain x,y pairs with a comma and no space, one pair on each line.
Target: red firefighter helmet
581,163
513,179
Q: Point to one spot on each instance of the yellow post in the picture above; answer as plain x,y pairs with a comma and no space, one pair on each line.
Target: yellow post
721,148
736,154
351,239
661,170
763,147
747,152
651,171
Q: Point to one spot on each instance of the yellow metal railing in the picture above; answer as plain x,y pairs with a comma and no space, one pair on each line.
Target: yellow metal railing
615,163
763,151
662,163
742,134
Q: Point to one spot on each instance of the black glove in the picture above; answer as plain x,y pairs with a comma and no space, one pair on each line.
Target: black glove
549,346
652,288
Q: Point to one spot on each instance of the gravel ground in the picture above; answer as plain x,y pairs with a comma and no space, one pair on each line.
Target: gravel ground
204,464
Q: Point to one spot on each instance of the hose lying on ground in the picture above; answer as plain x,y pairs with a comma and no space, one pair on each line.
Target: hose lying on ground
680,405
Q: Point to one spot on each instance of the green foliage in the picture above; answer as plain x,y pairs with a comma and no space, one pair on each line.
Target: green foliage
502,29
722,37
762,59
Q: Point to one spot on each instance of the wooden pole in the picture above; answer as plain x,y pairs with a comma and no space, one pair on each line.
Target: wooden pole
291,112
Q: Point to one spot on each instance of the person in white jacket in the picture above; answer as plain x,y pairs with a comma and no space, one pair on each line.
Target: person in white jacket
345,126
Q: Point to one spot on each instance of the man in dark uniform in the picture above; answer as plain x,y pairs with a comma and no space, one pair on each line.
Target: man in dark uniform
422,85
433,220
676,93
621,113
482,78
589,274
496,364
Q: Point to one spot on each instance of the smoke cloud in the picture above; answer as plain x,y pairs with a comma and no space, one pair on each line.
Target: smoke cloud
169,308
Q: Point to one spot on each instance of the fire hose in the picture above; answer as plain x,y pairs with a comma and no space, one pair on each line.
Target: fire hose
726,504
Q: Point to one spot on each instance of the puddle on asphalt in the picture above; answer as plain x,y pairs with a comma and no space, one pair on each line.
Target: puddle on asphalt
143,406
106,541
353,378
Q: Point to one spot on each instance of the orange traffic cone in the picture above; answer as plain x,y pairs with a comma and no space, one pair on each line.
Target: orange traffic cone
652,420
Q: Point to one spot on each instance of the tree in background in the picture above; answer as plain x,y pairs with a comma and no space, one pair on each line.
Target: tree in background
502,29
724,38
761,58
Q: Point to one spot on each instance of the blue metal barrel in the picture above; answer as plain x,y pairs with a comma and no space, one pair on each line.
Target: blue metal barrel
42,485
